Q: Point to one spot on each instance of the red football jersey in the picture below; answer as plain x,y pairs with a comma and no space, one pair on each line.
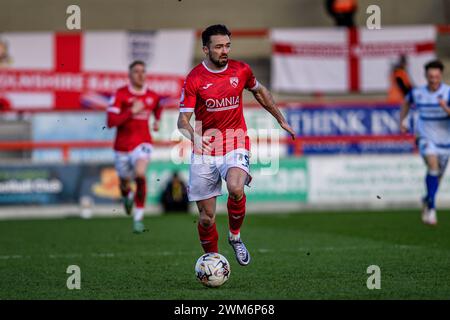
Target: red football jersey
132,129
215,97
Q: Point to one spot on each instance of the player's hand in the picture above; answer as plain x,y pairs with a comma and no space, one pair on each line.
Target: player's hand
137,106
444,105
156,126
288,128
206,145
203,144
404,126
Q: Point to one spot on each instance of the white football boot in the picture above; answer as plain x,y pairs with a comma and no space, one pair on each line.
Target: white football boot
432,217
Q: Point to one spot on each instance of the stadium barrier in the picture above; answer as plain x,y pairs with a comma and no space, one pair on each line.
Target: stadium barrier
66,146
297,147
299,183
356,127
300,178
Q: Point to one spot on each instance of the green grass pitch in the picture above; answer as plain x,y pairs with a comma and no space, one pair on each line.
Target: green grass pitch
294,256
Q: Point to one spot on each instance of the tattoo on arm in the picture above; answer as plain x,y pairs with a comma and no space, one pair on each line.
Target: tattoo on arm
184,126
265,99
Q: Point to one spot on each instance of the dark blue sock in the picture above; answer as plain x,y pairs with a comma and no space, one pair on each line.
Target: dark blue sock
432,182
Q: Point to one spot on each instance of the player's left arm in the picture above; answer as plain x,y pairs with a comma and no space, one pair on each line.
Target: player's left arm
265,99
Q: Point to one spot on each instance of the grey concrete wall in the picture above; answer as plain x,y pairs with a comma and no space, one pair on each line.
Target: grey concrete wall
23,15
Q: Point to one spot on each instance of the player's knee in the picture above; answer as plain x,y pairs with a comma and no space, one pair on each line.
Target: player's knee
140,175
140,167
124,184
207,221
207,217
433,166
235,190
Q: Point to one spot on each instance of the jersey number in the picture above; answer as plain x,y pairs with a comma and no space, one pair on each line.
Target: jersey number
145,149
244,158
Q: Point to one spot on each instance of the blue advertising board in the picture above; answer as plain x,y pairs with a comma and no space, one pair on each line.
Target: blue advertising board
371,129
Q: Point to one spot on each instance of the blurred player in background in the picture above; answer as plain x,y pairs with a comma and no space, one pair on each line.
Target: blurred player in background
213,91
400,81
343,12
433,131
130,112
5,58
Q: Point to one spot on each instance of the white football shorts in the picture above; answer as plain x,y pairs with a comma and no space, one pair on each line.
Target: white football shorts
427,147
126,161
206,173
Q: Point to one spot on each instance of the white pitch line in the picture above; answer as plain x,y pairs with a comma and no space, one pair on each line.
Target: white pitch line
103,255
16,256
180,253
69,255
99,255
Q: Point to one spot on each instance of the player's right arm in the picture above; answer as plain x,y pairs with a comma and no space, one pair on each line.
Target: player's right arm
117,115
404,111
186,130
188,101
184,125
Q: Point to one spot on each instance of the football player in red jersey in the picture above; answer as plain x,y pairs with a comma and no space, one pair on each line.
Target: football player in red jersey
130,112
213,92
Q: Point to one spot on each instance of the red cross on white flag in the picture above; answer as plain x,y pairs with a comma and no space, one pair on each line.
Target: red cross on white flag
72,70
343,60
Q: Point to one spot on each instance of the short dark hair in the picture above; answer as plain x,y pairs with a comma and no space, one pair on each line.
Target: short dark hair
135,63
216,29
435,64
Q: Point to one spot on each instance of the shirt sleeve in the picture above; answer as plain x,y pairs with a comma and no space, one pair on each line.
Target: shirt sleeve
115,104
188,97
251,83
115,115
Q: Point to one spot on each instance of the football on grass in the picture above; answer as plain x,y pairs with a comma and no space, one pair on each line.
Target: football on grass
212,269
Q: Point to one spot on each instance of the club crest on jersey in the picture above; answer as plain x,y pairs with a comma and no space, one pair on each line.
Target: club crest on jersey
234,81
149,100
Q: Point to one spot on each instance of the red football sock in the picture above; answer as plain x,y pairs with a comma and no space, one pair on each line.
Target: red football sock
208,238
141,191
236,213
